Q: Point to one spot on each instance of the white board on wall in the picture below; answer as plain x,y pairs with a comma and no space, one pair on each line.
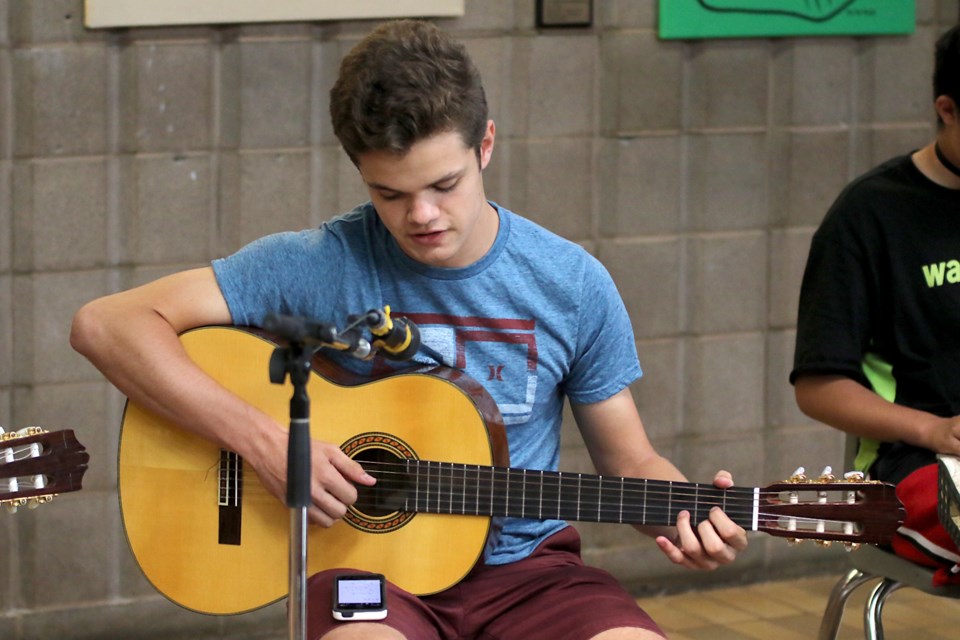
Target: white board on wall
102,14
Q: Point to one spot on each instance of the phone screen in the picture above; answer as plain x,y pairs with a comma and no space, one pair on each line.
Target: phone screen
362,593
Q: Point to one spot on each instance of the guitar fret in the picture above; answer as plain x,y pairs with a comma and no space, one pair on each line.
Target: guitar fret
696,504
559,493
523,494
579,478
620,520
599,496
670,516
506,509
540,507
643,518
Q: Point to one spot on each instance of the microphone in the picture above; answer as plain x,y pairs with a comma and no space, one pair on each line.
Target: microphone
298,329
396,339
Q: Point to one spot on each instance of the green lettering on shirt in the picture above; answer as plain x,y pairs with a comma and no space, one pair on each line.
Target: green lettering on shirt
934,273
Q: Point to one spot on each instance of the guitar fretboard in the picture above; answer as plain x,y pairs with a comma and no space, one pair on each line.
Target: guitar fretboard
438,487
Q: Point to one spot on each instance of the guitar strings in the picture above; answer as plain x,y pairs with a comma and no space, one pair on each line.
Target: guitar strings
493,481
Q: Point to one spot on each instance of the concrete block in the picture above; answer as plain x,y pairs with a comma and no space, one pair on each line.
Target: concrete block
6,84
274,193
788,259
146,618
6,213
625,14
65,550
725,385
275,90
561,81
879,145
893,82
638,82
173,218
491,15
60,100
6,333
640,186
50,21
130,579
166,96
46,304
324,176
813,447
494,57
551,184
728,282
60,216
659,392
729,181
325,67
818,169
498,177
742,455
728,83
87,409
813,80
947,12
4,22
351,190
782,407
649,275
6,408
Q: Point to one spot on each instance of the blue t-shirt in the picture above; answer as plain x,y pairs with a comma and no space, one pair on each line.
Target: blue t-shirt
535,319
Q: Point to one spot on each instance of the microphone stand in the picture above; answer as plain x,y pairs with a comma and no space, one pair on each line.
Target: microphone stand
304,339
294,361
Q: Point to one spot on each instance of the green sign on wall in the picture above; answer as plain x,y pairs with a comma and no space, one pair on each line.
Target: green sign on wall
766,18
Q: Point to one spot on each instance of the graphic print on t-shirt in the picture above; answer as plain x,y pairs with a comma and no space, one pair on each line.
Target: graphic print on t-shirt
500,353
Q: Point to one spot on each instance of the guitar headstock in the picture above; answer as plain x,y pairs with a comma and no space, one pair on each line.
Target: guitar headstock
851,509
36,465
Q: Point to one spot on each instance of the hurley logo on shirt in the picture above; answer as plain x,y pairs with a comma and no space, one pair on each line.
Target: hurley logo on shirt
938,271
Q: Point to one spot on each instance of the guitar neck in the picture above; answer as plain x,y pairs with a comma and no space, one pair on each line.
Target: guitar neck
437,487
853,511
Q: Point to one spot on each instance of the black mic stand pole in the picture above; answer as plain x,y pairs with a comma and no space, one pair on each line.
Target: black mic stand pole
294,360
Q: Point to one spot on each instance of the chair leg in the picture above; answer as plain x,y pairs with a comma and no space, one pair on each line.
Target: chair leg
830,623
872,623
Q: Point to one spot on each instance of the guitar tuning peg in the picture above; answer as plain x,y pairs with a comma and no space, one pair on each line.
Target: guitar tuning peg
850,547
798,476
825,543
793,542
827,475
853,476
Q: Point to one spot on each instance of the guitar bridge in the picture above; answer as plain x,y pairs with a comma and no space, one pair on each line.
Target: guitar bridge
231,497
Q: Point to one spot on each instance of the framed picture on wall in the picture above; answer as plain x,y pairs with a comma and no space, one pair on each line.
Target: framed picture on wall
102,14
772,18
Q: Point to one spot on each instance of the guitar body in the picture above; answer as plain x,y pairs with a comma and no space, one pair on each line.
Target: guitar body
169,482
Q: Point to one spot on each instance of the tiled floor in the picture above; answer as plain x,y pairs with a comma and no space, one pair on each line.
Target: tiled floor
792,610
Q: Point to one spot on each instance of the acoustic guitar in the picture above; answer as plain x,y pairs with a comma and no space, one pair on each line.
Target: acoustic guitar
37,465
210,538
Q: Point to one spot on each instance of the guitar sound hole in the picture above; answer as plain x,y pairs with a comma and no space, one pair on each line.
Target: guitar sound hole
388,495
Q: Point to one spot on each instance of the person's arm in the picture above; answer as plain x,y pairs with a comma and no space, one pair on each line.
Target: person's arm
132,338
847,405
618,445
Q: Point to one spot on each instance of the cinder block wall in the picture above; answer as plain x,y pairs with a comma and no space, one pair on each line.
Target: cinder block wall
696,171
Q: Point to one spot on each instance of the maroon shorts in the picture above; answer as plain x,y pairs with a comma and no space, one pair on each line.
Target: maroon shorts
550,594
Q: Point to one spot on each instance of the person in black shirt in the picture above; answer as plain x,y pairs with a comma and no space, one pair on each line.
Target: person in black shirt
878,333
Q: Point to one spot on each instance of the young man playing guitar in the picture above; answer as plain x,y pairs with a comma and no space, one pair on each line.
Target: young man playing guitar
495,296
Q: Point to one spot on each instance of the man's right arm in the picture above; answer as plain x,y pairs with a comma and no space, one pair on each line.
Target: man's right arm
847,405
132,338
